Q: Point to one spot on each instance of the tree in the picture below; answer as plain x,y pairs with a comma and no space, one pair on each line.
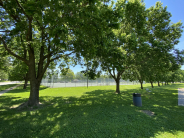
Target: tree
163,38
19,72
177,76
4,63
43,31
68,76
3,75
152,57
80,76
4,68
117,59
182,73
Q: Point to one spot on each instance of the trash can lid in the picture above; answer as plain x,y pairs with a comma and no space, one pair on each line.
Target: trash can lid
136,94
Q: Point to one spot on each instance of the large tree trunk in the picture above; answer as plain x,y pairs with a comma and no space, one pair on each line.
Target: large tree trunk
34,81
162,84
152,84
34,86
34,93
158,84
117,79
165,82
117,86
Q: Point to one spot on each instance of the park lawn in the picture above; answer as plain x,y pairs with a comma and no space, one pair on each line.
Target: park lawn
96,112
6,86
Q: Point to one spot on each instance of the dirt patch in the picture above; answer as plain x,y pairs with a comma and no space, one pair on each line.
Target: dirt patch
150,113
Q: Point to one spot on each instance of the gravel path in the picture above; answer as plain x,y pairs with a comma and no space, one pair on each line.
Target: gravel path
181,96
9,89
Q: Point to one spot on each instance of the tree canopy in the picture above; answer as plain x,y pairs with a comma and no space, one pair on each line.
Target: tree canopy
40,32
121,38
68,76
143,47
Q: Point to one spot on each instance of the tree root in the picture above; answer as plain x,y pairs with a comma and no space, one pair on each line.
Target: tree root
27,106
117,93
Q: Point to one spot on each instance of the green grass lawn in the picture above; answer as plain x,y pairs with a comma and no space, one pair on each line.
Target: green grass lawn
96,112
4,87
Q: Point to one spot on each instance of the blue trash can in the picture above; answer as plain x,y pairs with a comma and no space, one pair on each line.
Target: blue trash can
137,99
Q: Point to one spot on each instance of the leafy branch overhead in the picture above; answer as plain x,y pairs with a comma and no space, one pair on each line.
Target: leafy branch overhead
39,32
122,37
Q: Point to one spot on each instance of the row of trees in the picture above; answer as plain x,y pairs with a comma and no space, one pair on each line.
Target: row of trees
177,76
16,73
69,76
143,47
169,77
119,38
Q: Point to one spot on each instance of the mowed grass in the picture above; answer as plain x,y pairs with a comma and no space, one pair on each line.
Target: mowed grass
6,86
96,112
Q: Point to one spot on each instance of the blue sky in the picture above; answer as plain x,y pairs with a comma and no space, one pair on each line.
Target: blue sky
175,7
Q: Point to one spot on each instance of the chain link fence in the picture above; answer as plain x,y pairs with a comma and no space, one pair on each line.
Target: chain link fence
54,82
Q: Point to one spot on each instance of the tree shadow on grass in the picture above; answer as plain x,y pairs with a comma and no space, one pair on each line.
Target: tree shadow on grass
9,102
99,113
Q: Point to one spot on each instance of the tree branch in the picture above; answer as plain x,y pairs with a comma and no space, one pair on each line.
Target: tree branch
43,71
60,56
11,52
49,61
25,51
40,64
121,72
110,72
15,17
22,9
114,73
41,27
6,31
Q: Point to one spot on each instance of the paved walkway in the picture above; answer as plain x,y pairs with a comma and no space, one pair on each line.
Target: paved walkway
181,96
10,82
9,89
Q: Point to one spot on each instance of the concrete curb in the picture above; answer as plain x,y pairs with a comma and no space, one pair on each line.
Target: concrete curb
9,89
180,96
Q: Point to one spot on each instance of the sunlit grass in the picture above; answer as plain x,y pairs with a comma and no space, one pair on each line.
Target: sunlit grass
93,112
